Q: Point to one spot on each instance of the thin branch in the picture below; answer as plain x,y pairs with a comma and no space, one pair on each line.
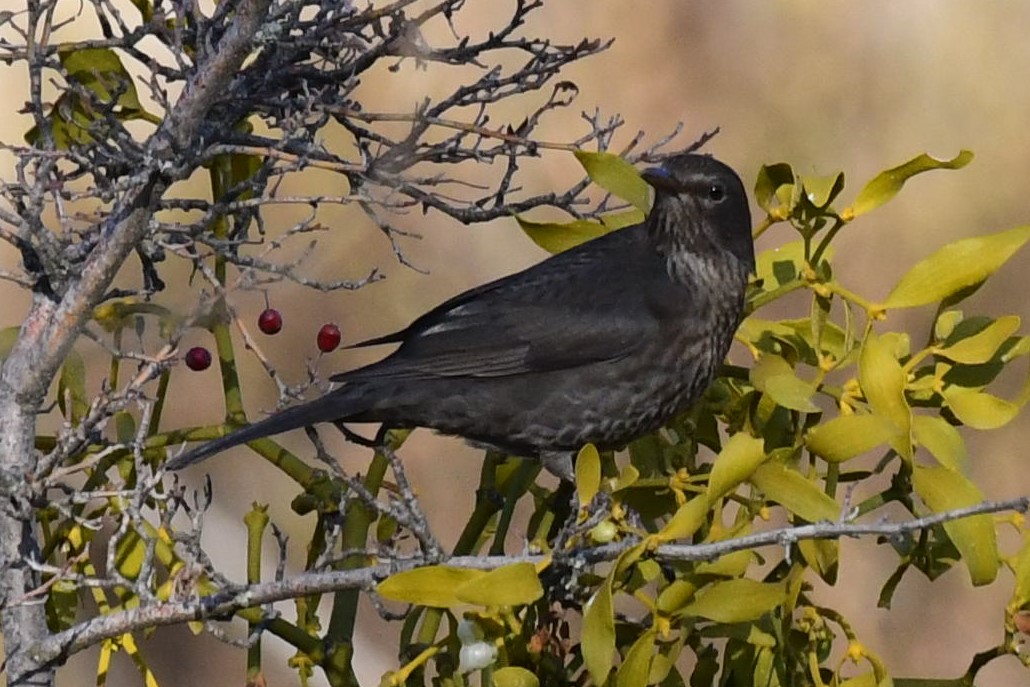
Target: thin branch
233,599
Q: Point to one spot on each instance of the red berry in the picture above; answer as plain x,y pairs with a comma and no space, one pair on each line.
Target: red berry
198,358
270,321
329,338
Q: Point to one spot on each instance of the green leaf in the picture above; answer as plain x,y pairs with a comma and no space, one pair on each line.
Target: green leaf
433,585
125,427
886,184
618,177
62,601
847,436
510,585
740,456
883,383
588,474
736,601
556,237
636,668
776,183
981,347
791,490
941,439
956,266
942,489
101,70
598,642
979,409
515,676
8,337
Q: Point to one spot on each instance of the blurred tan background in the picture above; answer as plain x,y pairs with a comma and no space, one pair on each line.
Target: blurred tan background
826,86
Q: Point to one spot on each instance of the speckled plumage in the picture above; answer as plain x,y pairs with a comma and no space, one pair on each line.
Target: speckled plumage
602,343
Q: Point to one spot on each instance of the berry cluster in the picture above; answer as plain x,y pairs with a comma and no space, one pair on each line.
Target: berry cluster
270,322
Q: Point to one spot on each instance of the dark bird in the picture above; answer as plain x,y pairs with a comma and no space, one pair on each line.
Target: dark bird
602,343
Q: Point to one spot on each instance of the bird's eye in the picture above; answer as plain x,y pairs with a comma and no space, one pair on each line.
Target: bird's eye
716,193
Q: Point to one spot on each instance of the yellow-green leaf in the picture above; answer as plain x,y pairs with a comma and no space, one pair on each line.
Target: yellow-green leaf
515,676
739,457
847,436
981,347
736,601
62,604
978,409
886,184
71,387
665,659
628,476
434,585
776,183
8,336
883,383
101,70
588,474
729,565
795,493
615,175
510,585
864,680
636,668
130,552
765,669
598,641
1021,568
792,393
555,237
767,367
688,519
821,191
942,489
956,266
822,556
125,427
619,220
675,596
946,323
941,439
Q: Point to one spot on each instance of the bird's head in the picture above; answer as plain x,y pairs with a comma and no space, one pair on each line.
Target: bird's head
700,205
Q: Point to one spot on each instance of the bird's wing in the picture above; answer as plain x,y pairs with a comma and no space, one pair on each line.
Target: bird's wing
579,307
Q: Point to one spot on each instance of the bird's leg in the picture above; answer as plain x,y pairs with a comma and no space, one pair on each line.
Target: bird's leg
559,464
355,438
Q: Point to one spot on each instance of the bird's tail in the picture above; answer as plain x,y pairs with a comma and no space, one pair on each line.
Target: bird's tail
336,405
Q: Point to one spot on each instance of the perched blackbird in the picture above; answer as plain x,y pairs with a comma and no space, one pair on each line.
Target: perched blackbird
602,343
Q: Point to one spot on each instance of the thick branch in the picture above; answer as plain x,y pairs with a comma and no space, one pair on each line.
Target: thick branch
52,326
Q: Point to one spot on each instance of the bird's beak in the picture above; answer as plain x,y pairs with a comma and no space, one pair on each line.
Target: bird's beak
660,178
